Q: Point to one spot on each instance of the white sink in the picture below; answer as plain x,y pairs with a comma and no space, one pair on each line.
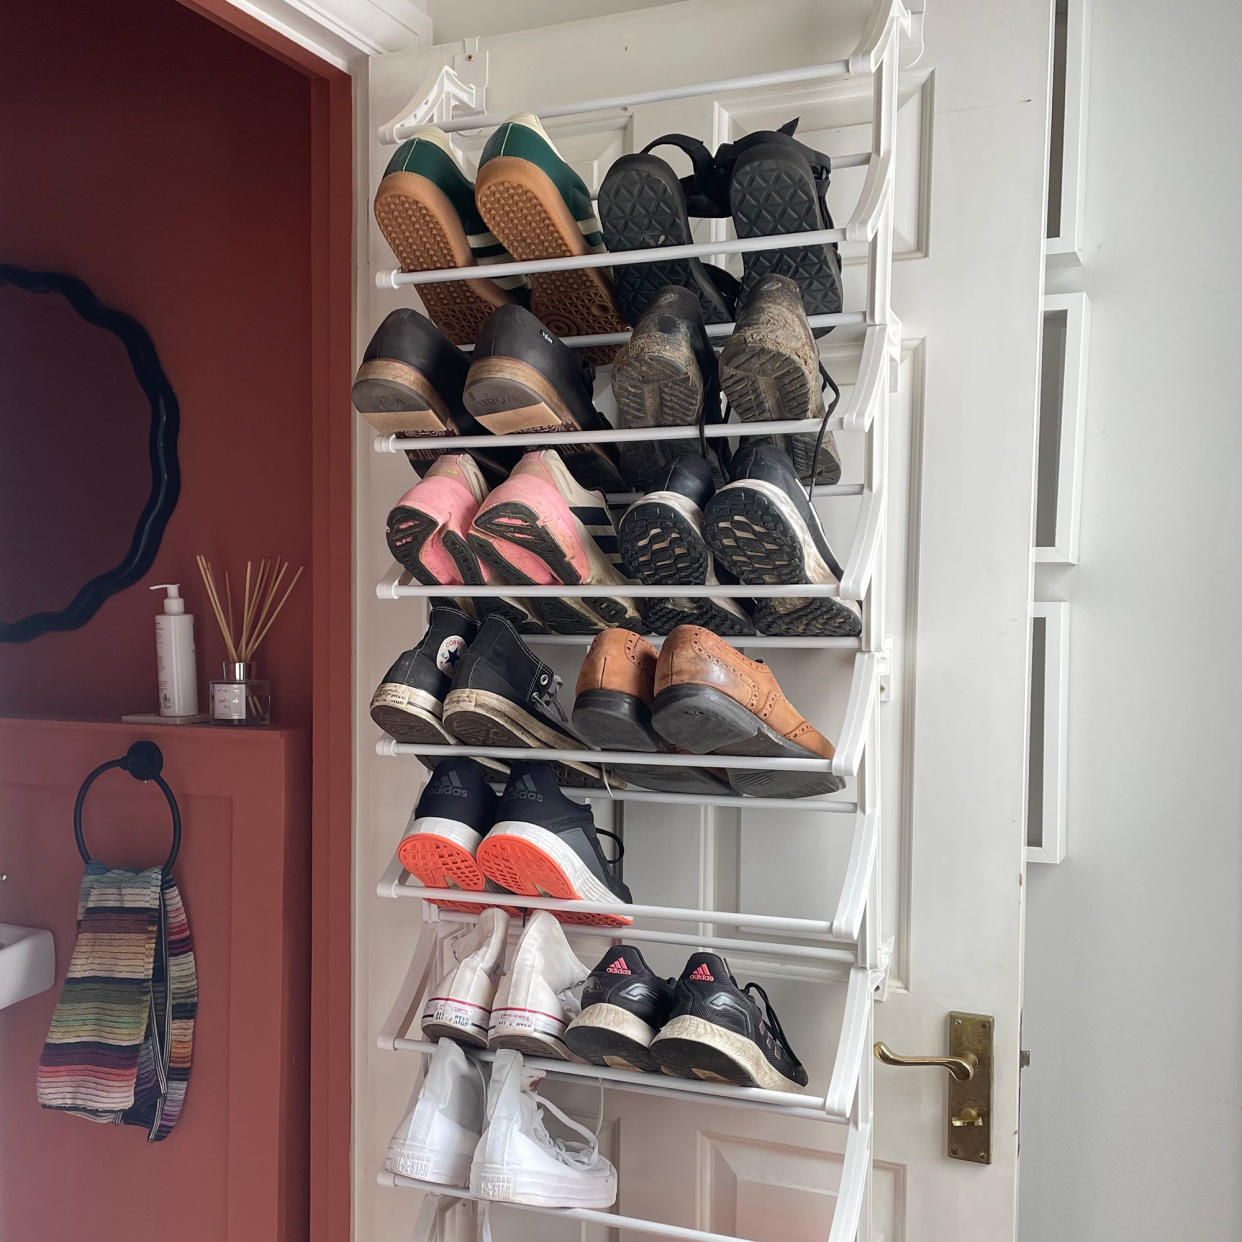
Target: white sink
27,962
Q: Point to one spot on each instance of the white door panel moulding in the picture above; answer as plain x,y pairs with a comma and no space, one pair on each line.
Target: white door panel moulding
1046,827
1068,154
344,32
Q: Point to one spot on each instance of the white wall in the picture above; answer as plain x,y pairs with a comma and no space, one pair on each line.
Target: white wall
1132,1105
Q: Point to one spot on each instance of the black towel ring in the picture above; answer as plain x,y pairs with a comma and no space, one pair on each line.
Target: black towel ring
143,762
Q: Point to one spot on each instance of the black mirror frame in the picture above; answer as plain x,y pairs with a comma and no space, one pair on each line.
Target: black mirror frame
161,453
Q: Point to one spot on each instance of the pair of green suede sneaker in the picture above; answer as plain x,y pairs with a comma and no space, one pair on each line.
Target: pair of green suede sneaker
525,203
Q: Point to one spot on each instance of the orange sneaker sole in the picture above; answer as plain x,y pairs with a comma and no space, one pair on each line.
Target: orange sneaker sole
524,868
438,862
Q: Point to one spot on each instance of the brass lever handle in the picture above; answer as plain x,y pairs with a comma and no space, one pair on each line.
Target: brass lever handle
962,1068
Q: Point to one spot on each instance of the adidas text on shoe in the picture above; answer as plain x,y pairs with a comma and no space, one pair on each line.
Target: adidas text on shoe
545,844
624,1005
534,1004
539,208
504,695
460,1004
518,1161
425,207
718,1032
437,1138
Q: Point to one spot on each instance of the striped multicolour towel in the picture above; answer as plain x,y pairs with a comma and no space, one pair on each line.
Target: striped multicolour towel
122,1036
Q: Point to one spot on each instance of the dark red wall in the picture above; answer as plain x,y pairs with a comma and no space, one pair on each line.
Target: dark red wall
166,163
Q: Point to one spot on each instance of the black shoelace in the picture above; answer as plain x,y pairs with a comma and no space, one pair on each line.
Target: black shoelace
829,382
773,1021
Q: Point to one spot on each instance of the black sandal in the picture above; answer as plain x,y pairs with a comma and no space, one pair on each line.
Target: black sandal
643,203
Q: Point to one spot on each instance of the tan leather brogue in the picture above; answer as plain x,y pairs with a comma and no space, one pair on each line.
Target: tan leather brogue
612,710
710,699
612,701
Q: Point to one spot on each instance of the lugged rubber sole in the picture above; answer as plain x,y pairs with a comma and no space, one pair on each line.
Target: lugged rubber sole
516,611
704,720
662,544
690,1047
507,396
528,859
642,205
425,233
440,854
526,212
481,718
758,534
773,191
764,383
609,1035
656,383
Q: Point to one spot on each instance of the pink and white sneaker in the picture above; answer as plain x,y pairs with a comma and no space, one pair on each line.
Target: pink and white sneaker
427,531
541,527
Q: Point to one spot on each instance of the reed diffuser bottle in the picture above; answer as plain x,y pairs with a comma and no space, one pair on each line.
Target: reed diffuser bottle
239,697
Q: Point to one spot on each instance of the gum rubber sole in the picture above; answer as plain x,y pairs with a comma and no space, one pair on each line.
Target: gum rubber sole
690,1047
438,862
521,866
609,1035
704,720
425,233
480,718
764,383
661,546
772,191
642,205
508,395
762,541
526,212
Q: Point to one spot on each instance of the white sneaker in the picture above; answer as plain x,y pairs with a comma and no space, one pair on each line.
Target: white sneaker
437,1137
534,1005
460,1004
518,1161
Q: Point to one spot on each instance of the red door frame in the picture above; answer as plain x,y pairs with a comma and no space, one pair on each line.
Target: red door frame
331,884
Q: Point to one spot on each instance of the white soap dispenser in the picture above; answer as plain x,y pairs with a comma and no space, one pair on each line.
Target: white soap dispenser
174,655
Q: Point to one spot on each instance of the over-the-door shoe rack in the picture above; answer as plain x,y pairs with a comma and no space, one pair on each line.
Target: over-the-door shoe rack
844,948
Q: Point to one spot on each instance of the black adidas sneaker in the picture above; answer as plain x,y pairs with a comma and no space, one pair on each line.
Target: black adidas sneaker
545,844
765,530
451,817
666,376
410,384
624,1004
662,544
504,695
409,703
524,379
717,1032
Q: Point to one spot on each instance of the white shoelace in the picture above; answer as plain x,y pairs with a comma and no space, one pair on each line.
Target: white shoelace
581,1156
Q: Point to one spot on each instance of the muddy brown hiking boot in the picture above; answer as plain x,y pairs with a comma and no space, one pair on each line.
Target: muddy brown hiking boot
770,370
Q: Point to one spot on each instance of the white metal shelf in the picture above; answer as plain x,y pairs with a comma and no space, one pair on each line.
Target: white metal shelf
740,641
852,738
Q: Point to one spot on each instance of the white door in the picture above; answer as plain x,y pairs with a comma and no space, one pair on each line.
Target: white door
946,912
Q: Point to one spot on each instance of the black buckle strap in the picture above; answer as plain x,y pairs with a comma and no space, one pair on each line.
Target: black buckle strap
707,187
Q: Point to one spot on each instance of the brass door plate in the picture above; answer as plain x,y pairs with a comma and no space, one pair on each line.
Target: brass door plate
969,1121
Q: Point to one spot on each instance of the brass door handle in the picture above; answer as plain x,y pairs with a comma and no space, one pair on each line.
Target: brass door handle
962,1068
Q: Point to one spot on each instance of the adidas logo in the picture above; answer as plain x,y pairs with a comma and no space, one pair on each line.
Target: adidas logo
451,787
527,789
702,974
618,968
